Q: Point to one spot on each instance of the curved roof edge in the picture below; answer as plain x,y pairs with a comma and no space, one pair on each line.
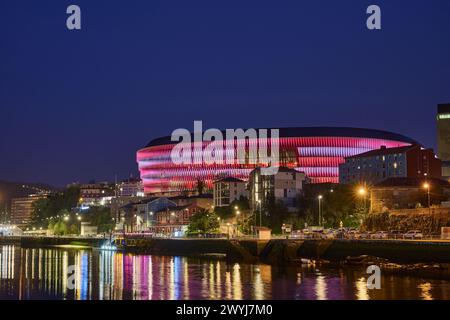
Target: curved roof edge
316,132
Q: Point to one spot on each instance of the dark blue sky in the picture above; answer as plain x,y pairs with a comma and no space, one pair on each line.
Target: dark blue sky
76,105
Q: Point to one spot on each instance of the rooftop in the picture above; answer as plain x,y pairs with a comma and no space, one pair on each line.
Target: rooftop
291,132
174,208
444,108
229,179
199,196
383,151
412,182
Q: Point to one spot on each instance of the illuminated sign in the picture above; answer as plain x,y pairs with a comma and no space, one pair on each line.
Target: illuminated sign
444,116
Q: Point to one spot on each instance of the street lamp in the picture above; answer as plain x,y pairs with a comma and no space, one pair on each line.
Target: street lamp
427,186
320,209
260,215
362,192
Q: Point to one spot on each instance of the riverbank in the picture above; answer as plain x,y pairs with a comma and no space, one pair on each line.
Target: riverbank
276,251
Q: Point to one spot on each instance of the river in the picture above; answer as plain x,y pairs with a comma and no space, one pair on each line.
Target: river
83,274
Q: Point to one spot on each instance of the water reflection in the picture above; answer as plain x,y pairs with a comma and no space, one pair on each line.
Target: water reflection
106,275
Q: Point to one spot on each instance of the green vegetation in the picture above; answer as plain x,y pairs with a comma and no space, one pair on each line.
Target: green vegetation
100,217
339,203
203,222
229,211
56,213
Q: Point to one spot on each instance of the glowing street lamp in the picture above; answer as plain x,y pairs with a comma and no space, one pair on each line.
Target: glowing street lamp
427,186
362,191
320,197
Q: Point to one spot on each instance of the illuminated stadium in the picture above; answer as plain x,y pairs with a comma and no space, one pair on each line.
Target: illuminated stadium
317,151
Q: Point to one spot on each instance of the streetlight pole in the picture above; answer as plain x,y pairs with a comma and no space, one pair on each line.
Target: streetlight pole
427,187
320,209
260,214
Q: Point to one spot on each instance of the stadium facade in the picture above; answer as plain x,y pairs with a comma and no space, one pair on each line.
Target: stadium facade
316,151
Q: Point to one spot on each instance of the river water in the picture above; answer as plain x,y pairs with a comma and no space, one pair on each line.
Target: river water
67,273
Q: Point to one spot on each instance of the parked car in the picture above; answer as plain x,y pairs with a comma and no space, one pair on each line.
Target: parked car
352,234
413,234
380,235
395,234
330,234
365,235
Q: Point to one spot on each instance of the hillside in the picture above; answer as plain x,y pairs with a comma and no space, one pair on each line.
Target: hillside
9,190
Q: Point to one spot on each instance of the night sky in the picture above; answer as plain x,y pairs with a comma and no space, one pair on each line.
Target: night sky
76,105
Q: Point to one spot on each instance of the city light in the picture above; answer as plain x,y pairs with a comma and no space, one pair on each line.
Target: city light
362,191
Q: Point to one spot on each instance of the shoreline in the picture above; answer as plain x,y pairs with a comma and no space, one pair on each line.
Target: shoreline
275,251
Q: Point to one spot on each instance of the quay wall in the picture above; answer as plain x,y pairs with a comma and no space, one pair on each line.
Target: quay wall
274,251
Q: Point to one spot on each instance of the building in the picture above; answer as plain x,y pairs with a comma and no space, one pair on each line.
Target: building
140,216
96,194
316,151
86,229
284,186
227,190
22,209
407,193
443,137
117,203
130,188
377,165
204,201
173,221
7,230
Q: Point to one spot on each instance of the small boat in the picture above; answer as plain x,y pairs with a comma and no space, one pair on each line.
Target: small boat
357,260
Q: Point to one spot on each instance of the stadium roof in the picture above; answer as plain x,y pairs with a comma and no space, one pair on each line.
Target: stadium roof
316,132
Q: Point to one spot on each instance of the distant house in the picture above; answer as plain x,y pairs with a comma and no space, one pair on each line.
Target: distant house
377,165
96,194
173,221
140,215
204,201
228,190
22,209
130,188
407,193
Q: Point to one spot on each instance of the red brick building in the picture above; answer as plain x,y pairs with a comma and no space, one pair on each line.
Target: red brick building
173,220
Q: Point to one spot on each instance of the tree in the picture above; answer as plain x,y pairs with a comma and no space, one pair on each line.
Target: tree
339,203
60,228
228,211
73,229
44,209
277,214
100,217
203,222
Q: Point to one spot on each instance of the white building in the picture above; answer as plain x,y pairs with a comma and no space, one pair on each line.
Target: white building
130,188
285,186
228,190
